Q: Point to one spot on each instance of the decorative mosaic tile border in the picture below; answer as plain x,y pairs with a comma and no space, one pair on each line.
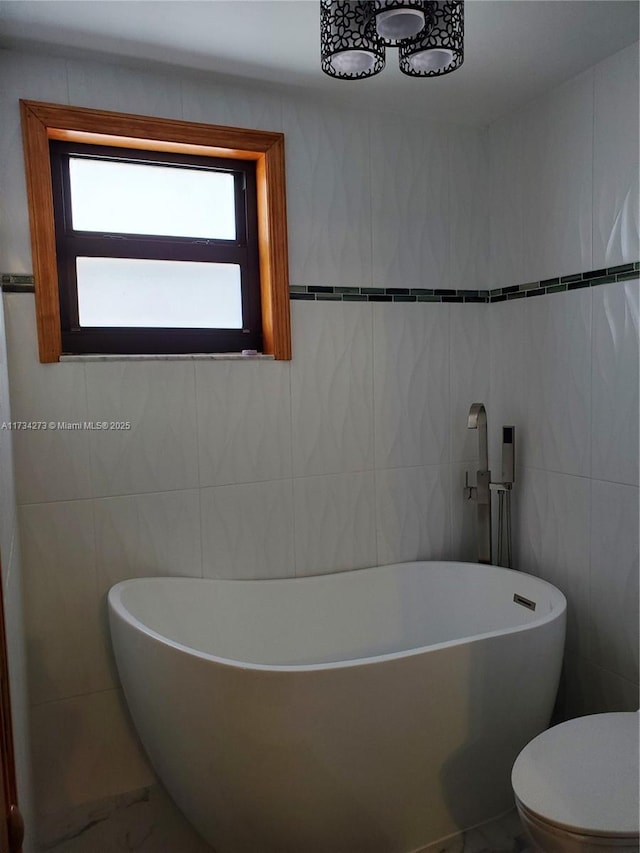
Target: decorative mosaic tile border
17,283
385,294
500,294
20,283
566,282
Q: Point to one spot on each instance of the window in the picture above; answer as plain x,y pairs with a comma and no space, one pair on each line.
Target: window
155,252
155,236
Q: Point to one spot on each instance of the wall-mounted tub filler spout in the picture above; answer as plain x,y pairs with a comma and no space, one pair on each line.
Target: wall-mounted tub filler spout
481,493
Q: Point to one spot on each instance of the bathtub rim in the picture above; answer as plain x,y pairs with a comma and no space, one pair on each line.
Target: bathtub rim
116,606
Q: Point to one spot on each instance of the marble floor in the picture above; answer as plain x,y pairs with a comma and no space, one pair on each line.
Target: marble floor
146,821
504,835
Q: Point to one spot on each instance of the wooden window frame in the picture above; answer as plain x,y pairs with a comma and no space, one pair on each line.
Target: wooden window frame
42,122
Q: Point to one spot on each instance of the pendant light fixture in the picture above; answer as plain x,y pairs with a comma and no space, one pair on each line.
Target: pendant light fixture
354,34
398,19
350,46
441,49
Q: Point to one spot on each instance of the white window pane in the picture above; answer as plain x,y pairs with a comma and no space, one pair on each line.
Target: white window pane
172,294
134,198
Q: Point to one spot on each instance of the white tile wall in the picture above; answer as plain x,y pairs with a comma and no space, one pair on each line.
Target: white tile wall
150,534
65,649
328,194
557,163
614,403
551,539
51,464
469,350
557,396
331,388
244,421
469,209
223,102
614,590
506,192
410,198
616,200
564,370
247,530
411,377
564,182
114,87
334,522
159,452
413,514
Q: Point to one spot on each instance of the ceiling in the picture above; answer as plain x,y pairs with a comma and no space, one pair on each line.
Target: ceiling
514,49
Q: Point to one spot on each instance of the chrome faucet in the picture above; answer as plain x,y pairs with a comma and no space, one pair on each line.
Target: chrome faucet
481,492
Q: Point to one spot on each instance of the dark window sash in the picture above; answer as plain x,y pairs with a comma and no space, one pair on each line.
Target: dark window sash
71,244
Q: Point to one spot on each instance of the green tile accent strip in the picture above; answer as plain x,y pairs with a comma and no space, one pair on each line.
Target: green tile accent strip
24,283
605,279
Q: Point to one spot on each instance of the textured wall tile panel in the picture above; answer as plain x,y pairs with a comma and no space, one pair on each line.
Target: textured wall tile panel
411,381
144,536
334,523
247,531
114,87
508,390
331,388
616,221
147,536
244,421
66,655
217,101
556,163
328,195
551,523
468,374
615,382
39,78
85,749
464,545
506,192
413,521
557,398
614,578
469,209
159,452
593,690
50,464
409,168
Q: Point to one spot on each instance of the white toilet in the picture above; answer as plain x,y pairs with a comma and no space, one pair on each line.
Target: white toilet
576,785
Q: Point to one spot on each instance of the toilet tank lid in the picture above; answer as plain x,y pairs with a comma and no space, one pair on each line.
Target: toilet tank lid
583,774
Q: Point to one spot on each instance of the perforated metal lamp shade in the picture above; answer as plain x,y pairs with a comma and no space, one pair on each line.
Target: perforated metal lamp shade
350,47
441,50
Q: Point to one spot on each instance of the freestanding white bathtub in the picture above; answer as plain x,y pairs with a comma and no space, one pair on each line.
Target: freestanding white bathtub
373,711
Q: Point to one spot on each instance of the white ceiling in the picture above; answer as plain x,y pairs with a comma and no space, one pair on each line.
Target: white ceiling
514,49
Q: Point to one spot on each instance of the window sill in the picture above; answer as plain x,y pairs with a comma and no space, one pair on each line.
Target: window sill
206,356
